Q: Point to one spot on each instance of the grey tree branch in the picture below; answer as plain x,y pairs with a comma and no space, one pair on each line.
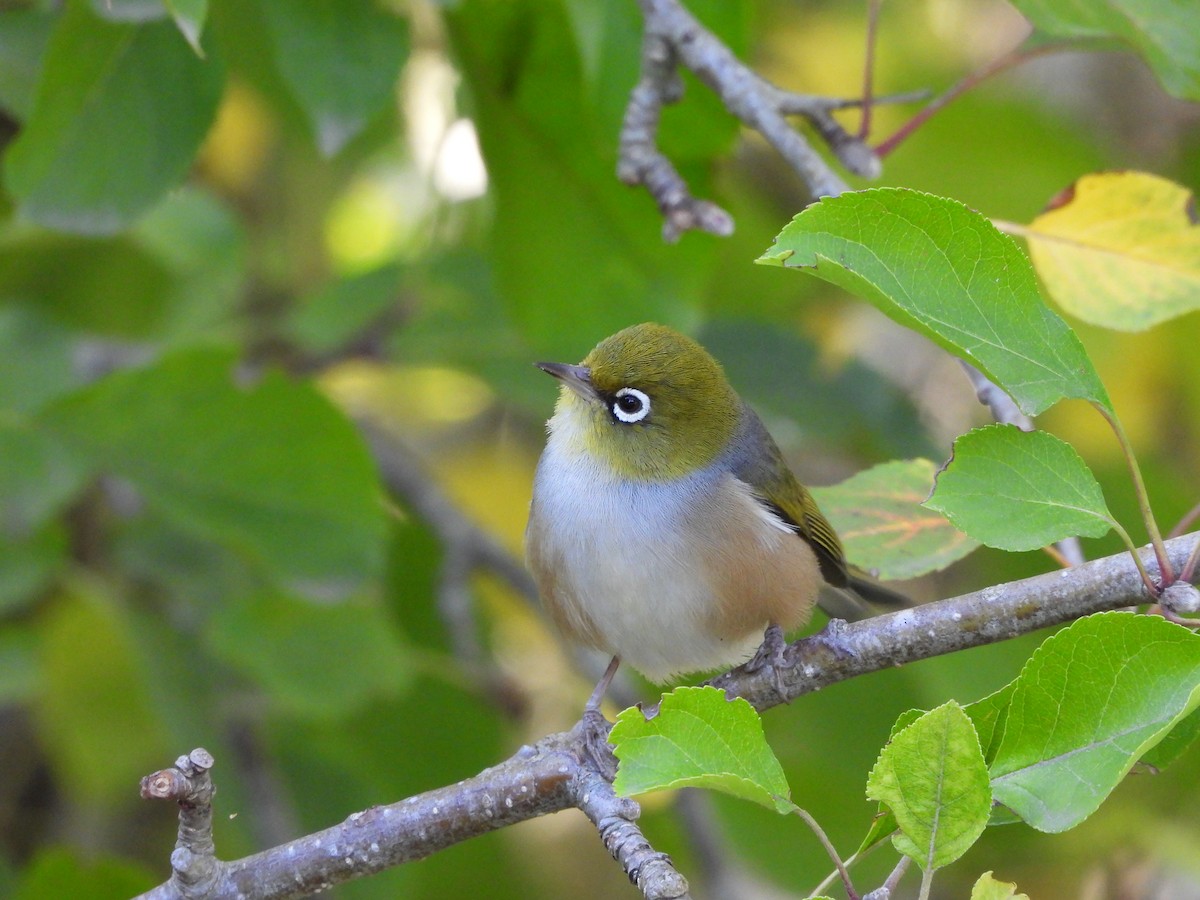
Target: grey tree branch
406,477
554,774
194,862
1002,407
467,546
672,37
545,778
993,614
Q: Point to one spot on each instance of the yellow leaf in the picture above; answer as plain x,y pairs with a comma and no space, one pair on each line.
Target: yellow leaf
879,517
988,888
1120,250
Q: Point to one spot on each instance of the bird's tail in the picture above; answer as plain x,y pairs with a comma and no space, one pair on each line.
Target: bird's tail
862,592
872,591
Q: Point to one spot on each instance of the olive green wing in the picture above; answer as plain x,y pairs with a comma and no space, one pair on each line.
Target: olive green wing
797,508
757,461
834,568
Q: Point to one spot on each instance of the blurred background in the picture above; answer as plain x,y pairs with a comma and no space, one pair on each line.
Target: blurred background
385,213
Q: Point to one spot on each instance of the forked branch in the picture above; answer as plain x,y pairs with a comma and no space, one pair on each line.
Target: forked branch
555,774
673,38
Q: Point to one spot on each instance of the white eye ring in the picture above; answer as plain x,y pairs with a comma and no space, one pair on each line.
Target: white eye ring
633,409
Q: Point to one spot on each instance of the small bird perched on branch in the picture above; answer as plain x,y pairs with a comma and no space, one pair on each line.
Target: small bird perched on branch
666,528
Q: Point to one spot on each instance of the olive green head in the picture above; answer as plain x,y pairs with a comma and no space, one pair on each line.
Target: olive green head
647,401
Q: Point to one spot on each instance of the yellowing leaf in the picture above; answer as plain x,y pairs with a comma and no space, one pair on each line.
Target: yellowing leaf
988,888
879,517
1121,250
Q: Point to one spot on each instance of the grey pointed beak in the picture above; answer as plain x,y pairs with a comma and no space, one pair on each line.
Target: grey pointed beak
577,378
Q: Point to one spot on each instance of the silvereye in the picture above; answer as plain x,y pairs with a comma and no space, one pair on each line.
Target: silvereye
665,528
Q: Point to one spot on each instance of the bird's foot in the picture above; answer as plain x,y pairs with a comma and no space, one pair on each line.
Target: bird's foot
594,729
771,655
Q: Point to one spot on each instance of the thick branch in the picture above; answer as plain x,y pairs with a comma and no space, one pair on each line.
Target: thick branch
993,614
546,778
552,775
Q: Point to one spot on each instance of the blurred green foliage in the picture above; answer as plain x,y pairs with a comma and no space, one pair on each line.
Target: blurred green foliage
209,264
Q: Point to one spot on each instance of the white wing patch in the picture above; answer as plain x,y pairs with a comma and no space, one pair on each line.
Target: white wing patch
763,511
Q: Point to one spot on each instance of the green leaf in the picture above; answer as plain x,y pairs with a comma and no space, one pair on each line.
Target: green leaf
933,778
24,34
882,826
1120,249
884,822
941,269
120,113
110,286
198,241
189,16
988,716
550,172
1165,32
28,562
272,471
37,477
1179,739
783,374
315,661
129,10
1019,490
988,888
883,527
18,665
95,716
339,60
36,356
1091,701
157,550
698,739
63,873
332,317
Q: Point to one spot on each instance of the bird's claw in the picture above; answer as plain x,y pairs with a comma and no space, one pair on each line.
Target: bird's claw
771,655
594,730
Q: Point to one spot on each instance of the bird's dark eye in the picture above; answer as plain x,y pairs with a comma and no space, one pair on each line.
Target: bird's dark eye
630,405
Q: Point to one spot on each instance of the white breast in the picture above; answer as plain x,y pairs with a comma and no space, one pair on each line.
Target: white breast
630,554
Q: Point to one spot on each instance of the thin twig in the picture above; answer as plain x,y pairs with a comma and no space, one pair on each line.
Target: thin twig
673,38
830,850
721,873
408,478
1017,55
614,817
1002,407
466,546
1188,572
194,864
1184,523
868,89
888,888
1166,575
